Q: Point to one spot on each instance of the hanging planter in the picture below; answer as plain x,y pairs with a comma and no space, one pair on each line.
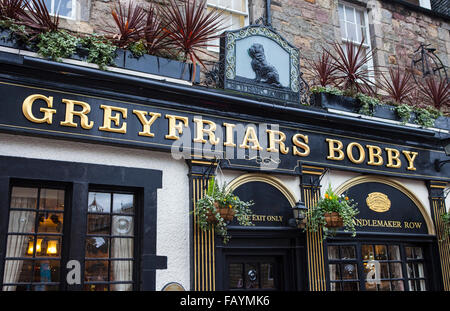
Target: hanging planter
445,217
218,208
331,213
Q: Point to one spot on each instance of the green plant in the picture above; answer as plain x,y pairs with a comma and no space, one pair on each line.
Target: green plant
315,216
404,112
101,51
327,89
368,104
207,210
445,217
56,44
426,116
18,32
138,48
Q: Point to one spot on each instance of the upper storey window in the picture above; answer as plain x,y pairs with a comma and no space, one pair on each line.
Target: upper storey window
354,25
235,16
65,8
422,3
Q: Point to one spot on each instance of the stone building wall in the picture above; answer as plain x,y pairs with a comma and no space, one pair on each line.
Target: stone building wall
396,30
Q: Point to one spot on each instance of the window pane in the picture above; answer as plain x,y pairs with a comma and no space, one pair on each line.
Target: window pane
367,252
17,271
19,246
122,248
335,273
398,286
50,246
123,203
380,252
99,202
46,271
351,32
97,247
371,286
96,270
251,276
385,286
333,252
63,7
24,197
418,253
396,270
350,286
21,222
235,275
349,271
394,252
122,225
98,224
51,199
349,14
121,270
50,222
348,252
384,270
267,280
409,252
335,287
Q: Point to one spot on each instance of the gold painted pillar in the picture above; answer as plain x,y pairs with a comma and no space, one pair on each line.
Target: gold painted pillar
437,200
310,187
202,250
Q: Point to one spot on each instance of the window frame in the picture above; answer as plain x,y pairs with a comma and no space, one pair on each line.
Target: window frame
232,12
367,44
136,236
24,183
79,177
387,242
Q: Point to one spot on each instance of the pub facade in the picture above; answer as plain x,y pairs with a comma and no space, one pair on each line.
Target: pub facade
101,171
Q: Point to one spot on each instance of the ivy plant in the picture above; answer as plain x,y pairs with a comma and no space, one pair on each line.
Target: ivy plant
404,112
331,202
426,116
101,51
218,198
368,104
56,44
445,217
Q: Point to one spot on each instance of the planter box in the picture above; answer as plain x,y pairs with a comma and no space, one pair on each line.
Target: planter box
161,66
7,39
349,104
344,103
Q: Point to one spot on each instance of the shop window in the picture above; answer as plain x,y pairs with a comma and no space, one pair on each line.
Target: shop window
383,267
343,268
34,242
110,242
235,16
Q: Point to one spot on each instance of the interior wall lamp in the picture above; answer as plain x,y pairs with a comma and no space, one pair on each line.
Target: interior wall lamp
438,164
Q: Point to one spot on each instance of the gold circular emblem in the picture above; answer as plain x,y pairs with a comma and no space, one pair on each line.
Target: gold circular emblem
378,202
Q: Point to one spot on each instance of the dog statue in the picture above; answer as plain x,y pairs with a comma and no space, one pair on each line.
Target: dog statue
265,72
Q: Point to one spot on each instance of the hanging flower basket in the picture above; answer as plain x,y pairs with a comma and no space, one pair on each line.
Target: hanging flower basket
227,213
218,208
331,213
334,220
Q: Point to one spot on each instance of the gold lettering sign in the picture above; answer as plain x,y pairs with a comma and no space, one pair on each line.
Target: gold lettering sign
378,202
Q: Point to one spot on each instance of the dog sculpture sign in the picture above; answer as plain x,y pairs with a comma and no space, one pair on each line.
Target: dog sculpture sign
258,61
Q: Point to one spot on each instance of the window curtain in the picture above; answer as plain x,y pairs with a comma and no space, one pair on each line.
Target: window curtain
19,222
122,248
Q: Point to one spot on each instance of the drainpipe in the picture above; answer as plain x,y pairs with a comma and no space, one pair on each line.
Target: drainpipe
268,15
